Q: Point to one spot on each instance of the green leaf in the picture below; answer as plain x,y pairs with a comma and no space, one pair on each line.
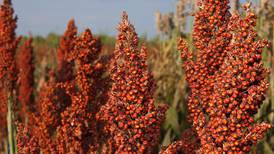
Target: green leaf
172,120
267,148
167,138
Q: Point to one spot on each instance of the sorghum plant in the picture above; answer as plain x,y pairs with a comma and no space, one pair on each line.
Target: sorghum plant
51,103
165,24
226,78
26,142
8,45
181,15
165,63
53,99
266,29
132,121
26,79
174,21
3,119
64,121
64,67
39,136
78,132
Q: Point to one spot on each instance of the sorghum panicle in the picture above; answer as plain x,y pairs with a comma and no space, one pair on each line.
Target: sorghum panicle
8,44
26,78
39,135
26,142
3,119
64,67
132,121
65,118
78,132
85,53
227,79
52,102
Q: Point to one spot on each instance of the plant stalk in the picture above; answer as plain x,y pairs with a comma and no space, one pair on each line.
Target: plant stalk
11,141
272,75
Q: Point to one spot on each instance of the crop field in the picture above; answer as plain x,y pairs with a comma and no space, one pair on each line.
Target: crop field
203,85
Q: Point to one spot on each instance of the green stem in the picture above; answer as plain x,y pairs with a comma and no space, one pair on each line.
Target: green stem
10,125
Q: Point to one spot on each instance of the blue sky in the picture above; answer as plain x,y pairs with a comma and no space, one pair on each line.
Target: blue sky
102,16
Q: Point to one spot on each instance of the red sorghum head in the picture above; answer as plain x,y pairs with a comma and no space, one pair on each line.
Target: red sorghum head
227,79
8,45
25,65
78,132
64,67
132,121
